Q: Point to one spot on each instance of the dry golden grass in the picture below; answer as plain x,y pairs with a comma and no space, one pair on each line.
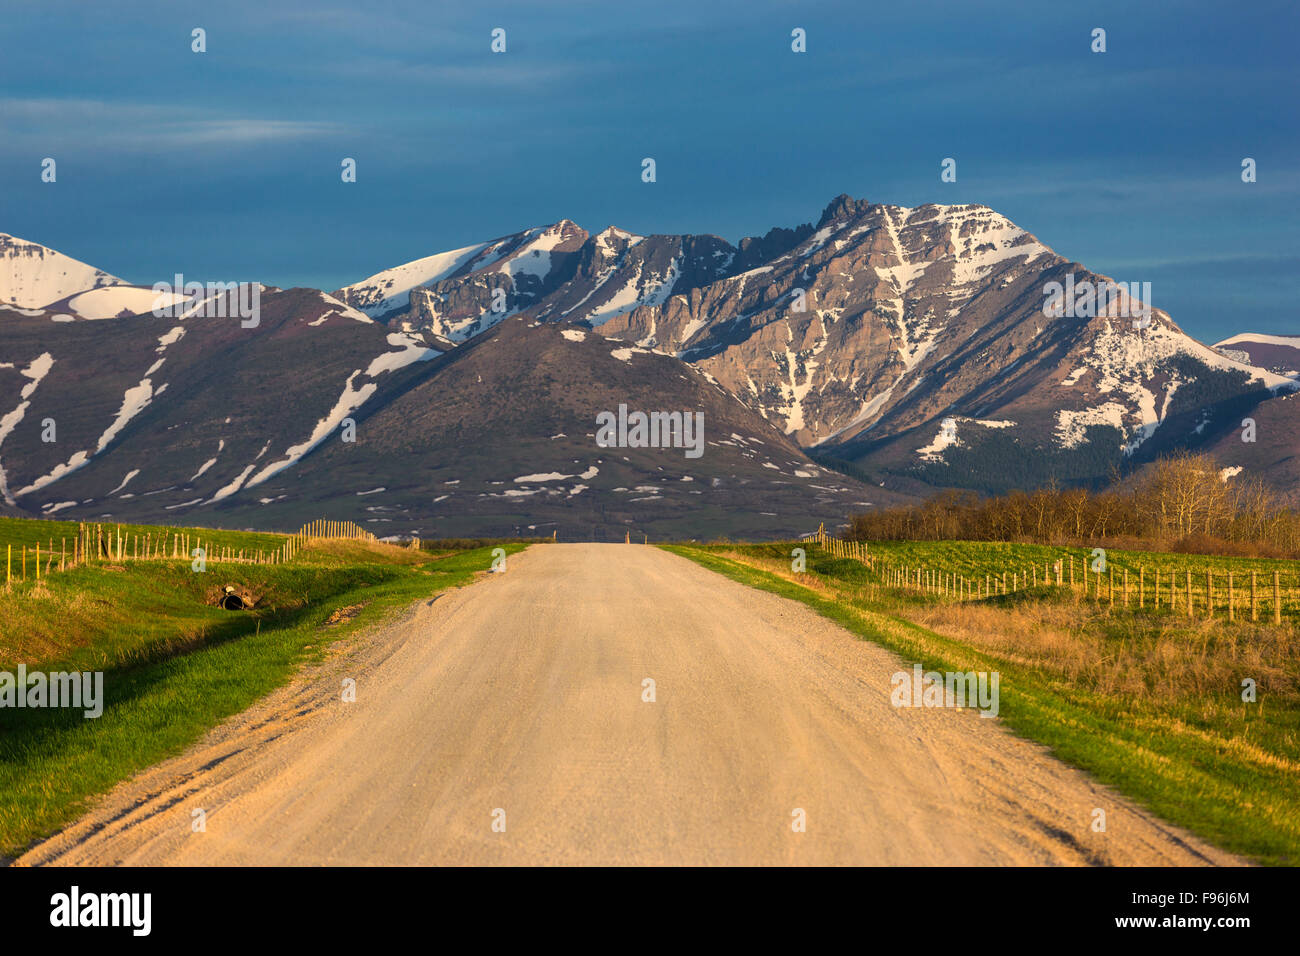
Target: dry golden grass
358,548
1111,654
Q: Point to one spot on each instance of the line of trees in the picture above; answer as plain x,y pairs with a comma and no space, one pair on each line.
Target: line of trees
1180,502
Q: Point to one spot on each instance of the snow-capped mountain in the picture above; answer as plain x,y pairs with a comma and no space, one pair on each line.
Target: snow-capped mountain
912,316
1279,354
105,386
863,334
32,276
321,410
914,348
557,273
461,293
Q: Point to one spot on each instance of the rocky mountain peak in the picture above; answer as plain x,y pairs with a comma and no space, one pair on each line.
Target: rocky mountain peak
565,228
842,208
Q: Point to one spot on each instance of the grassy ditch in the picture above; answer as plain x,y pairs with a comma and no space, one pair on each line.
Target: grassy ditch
174,665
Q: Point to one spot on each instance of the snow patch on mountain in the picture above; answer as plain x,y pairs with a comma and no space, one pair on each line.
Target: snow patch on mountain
112,301
134,401
351,399
36,370
793,391
207,464
125,481
341,309
390,290
170,337
1278,353
1128,363
533,257
226,490
78,460
412,351
33,276
870,410
981,238
604,239
651,289
905,273
1290,341
1071,426
945,438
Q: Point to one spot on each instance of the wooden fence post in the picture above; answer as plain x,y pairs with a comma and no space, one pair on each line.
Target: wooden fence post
1232,614
1277,598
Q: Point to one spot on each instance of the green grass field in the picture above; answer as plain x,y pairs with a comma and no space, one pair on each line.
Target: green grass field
979,561
175,666
1149,703
976,558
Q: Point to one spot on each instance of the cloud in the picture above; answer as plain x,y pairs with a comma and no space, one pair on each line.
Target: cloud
1219,267
1135,183
51,123
494,73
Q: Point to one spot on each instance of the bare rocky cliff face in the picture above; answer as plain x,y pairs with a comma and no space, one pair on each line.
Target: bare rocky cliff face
834,334
902,339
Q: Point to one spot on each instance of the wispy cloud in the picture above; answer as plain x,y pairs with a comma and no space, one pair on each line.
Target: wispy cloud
1239,267
140,127
495,73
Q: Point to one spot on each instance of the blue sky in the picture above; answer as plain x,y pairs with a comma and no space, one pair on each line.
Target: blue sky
226,164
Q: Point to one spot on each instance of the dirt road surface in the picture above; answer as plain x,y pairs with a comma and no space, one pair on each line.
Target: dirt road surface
519,700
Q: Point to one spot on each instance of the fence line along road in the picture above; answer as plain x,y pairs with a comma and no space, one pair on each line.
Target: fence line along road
101,544
1209,592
